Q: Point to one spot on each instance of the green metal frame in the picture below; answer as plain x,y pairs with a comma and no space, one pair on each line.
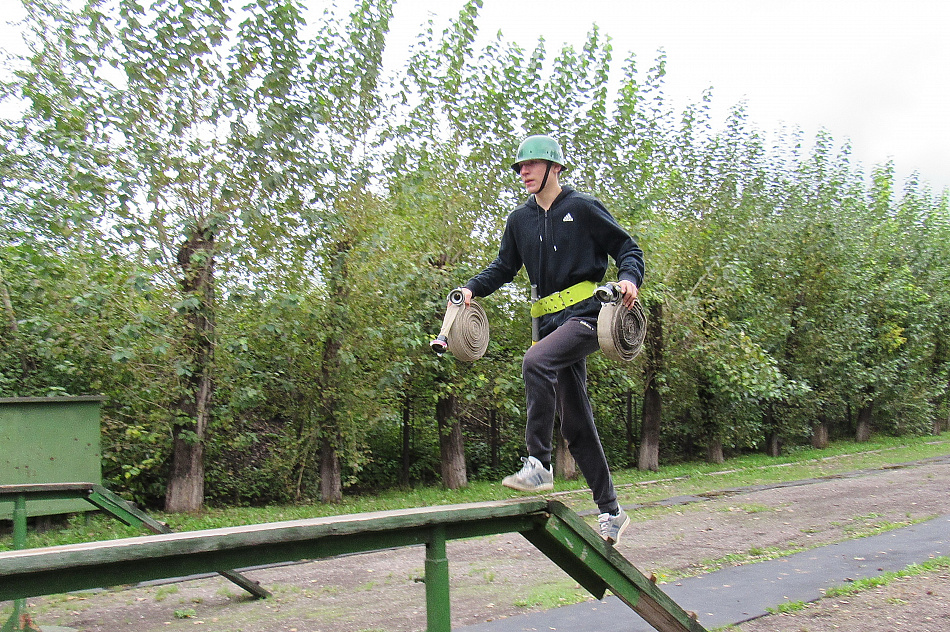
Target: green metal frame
102,498
553,528
20,620
50,440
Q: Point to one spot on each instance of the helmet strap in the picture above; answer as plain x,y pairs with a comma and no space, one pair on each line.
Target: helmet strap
545,180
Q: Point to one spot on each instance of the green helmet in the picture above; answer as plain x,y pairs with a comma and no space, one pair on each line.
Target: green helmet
540,147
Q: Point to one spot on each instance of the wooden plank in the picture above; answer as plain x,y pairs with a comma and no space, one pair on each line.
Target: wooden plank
35,491
58,569
53,400
194,542
114,505
579,551
553,528
20,488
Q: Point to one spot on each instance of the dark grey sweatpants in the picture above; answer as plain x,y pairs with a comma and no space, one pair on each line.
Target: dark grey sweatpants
555,378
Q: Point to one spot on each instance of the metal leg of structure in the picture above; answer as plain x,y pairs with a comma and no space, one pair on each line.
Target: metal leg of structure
20,620
438,607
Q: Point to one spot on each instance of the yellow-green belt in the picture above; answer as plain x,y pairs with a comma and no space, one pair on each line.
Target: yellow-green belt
559,300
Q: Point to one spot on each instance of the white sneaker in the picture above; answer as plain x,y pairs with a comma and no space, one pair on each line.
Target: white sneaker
612,527
533,477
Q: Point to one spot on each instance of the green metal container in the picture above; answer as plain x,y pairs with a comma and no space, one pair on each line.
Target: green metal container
49,440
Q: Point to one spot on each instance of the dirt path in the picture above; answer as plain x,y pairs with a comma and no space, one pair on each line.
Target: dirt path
502,576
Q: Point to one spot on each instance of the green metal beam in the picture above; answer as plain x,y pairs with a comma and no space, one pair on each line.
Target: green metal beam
125,512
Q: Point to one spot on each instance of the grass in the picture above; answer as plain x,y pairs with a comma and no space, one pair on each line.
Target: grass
760,554
633,487
756,469
553,594
860,585
934,564
165,591
788,606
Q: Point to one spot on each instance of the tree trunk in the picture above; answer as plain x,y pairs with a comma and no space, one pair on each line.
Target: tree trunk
819,435
331,479
774,447
494,439
863,431
652,401
714,452
406,441
773,439
940,354
186,486
331,376
451,444
564,464
7,304
27,365
708,429
185,491
946,421
628,425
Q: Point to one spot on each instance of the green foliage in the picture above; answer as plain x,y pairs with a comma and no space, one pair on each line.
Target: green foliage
636,487
231,200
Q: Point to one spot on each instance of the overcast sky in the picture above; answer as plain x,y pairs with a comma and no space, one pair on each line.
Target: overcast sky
875,72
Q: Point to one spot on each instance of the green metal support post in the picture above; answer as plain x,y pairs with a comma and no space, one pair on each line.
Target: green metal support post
19,522
19,618
438,606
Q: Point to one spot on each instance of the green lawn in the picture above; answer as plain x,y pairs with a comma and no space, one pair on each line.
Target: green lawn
633,487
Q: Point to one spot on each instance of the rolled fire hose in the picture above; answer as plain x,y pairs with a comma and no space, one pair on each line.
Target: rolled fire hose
464,330
620,331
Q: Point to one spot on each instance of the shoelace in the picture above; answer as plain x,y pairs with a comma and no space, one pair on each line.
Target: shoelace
527,467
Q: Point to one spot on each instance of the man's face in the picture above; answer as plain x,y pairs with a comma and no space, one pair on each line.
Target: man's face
532,174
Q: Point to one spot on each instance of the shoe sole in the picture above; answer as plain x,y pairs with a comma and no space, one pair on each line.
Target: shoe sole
623,527
545,487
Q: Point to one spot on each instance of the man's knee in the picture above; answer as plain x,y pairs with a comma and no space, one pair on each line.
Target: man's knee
532,363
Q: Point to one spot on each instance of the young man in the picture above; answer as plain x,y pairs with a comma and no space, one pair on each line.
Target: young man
562,238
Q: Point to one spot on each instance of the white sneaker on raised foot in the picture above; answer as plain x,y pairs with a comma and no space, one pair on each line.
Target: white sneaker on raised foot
613,526
533,477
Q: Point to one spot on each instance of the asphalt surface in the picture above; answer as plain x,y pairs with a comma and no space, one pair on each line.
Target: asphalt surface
740,593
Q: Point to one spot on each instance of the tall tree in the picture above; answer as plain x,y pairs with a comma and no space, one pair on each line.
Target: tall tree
344,119
636,175
170,113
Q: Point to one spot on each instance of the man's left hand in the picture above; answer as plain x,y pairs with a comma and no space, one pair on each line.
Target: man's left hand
630,293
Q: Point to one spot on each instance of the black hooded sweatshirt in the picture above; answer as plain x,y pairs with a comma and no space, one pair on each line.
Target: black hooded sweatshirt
560,247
